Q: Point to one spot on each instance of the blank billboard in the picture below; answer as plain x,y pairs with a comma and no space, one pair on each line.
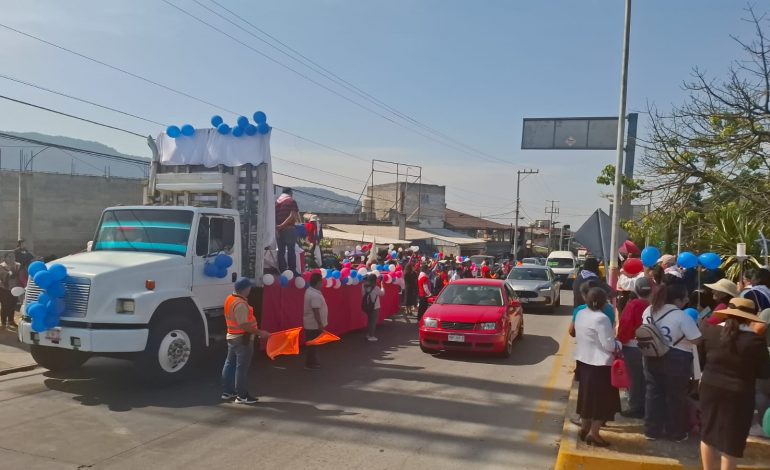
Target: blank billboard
570,133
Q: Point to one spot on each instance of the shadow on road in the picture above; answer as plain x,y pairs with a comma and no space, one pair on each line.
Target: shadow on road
530,350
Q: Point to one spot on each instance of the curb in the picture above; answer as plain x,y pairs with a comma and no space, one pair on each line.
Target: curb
13,370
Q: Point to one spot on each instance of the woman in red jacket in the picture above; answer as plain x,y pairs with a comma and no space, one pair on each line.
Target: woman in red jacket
630,321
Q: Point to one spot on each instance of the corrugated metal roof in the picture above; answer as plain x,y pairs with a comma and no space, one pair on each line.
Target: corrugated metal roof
361,237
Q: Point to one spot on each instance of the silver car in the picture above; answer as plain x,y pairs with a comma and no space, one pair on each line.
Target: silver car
535,285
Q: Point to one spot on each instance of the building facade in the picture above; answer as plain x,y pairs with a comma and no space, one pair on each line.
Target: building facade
423,204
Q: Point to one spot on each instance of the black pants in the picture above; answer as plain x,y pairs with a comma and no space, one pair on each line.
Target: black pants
7,306
666,404
422,307
311,356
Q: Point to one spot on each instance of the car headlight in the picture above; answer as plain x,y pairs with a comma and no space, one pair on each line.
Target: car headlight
489,326
544,287
430,322
125,306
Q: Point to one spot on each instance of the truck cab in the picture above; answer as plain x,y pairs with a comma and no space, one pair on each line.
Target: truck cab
142,289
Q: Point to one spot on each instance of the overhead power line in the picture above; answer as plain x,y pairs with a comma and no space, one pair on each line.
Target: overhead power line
42,143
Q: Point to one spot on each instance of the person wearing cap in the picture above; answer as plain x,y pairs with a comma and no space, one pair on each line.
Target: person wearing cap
241,329
630,321
723,290
734,357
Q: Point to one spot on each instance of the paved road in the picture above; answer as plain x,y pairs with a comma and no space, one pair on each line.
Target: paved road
375,406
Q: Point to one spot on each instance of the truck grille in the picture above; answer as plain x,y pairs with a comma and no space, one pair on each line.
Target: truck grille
77,289
451,325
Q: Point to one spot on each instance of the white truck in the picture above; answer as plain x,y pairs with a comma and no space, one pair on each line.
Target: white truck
140,290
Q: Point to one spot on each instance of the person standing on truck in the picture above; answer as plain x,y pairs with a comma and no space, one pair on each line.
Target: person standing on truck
315,319
286,216
241,329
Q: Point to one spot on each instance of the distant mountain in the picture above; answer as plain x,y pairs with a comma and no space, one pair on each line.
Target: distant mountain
318,200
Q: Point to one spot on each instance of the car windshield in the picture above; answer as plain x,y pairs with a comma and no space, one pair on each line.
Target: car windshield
145,230
466,294
560,263
528,274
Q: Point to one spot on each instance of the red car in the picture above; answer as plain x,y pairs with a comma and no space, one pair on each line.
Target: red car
481,315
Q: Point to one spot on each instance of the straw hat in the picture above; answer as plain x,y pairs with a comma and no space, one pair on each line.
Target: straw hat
740,307
724,286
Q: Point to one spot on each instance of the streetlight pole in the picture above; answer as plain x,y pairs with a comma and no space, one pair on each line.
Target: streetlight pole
616,202
22,168
553,210
516,222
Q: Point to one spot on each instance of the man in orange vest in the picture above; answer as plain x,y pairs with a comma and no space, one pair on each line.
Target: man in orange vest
241,329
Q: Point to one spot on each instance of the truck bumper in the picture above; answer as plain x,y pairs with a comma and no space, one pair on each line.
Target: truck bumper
106,340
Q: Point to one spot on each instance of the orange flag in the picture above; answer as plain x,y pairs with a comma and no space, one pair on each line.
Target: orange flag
283,342
323,338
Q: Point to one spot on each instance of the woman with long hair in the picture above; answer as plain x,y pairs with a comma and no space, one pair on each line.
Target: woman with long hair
668,377
734,357
598,400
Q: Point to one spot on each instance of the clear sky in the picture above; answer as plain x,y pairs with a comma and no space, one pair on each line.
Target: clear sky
472,70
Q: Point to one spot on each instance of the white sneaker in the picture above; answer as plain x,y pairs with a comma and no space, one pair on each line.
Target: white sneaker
372,339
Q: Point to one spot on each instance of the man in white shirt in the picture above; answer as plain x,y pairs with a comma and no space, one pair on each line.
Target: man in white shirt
316,315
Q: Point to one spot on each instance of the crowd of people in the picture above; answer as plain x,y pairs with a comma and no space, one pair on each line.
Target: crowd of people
696,355
13,273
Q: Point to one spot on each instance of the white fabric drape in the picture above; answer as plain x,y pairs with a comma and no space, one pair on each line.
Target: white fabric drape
210,148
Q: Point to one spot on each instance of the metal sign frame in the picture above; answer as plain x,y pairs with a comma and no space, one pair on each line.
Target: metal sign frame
603,141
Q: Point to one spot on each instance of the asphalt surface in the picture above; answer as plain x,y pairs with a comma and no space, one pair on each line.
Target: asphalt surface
382,405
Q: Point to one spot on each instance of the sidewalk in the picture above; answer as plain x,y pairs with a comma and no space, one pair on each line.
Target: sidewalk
629,449
14,355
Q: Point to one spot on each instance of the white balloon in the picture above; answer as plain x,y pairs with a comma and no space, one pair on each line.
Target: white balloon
323,273
424,259
299,282
288,274
358,247
328,283
347,253
337,283
362,272
390,247
268,279
17,291
400,250
392,268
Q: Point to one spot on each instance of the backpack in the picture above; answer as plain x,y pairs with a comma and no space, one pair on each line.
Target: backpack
651,341
367,304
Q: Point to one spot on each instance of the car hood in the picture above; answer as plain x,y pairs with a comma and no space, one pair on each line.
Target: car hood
465,313
526,285
95,263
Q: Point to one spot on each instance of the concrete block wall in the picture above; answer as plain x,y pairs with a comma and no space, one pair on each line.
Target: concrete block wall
59,212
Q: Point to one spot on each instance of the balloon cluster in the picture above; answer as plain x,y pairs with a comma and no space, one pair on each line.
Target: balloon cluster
185,131
219,267
46,311
242,127
336,278
686,260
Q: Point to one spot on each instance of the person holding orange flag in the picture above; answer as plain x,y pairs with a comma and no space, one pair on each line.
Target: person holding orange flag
315,319
241,329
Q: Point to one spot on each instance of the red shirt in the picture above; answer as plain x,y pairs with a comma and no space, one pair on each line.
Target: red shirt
284,206
713,319
631,319
423,286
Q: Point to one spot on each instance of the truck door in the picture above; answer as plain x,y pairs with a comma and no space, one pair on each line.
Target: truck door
216,235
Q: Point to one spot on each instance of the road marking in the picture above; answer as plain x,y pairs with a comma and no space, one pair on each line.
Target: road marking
542,406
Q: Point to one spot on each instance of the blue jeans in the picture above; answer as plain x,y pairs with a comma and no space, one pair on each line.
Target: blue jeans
235,374
667,407
637,392
286,240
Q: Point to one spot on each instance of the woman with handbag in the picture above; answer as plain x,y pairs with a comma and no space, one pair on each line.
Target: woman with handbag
598,400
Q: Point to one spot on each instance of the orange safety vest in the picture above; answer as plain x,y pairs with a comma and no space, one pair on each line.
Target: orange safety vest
230,304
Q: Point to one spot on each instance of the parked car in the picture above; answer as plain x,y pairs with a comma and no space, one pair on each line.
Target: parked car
535,261
481,315
535,285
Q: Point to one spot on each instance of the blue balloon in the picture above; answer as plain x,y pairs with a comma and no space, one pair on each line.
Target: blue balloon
223,261
263,129
710,261
216,121
51,321
687,260
336,274
60,306
345,281
173,131
243,122
237,131
650,256
692,313
188,130
50,307
58,272
43,279
221,273
394,254
251,129
35,268
354,274
223,129
210,270
56,290
44,298
329,273
284,281
39,325
36,310
260,117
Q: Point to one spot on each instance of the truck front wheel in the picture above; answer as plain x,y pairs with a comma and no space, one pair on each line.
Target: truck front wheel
173,347
57,359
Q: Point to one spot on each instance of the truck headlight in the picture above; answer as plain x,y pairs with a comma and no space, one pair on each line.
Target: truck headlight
489,326
125,306
430,322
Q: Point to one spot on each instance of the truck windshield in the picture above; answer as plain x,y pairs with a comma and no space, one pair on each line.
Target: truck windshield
156,231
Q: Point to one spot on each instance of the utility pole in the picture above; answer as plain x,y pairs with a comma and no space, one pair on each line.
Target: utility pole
617,200
551,211
518,202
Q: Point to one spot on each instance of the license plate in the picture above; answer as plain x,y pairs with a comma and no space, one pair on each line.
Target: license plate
457,338
53,335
